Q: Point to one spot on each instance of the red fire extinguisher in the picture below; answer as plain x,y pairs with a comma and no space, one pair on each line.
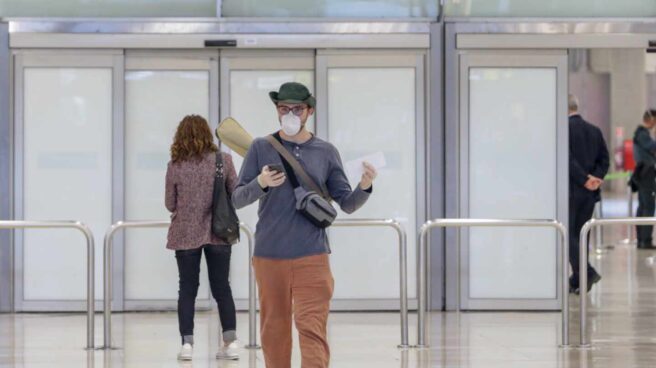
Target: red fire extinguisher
627,148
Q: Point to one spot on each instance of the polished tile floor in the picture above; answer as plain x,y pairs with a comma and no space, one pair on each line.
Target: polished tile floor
622,328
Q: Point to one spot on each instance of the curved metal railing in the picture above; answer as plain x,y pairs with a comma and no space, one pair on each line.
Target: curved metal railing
424,265
107,272
78,225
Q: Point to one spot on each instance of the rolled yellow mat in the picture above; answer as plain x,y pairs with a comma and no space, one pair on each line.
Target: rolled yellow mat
234,136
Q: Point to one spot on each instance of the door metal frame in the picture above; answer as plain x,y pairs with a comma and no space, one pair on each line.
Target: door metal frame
6,196
498,33
259,60
416,59
435,164
110,59
525,58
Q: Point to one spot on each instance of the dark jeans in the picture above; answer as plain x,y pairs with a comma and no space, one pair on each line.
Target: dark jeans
646,203
218,267
580,211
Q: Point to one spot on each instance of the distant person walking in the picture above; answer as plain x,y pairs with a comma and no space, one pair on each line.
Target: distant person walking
644,148
588,165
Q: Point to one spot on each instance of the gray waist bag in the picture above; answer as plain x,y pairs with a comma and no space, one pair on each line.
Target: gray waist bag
313,204
316,209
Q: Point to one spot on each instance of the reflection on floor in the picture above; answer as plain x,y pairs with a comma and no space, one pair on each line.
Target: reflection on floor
150,340
622,329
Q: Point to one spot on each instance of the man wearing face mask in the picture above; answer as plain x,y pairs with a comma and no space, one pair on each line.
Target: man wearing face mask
291,253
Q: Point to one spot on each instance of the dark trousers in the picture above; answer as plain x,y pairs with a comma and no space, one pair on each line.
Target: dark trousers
646,203
218,267
580,211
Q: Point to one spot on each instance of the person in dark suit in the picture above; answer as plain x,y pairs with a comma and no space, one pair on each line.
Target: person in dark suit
644,148
588,165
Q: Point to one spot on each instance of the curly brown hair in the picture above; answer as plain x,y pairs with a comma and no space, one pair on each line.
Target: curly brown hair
192,140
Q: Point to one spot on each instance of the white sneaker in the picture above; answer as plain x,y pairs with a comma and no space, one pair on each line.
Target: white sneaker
227,353
237,345
186,352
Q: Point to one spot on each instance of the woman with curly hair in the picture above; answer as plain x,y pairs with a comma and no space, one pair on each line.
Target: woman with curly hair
189,188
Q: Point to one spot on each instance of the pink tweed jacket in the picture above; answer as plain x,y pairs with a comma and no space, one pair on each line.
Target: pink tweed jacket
189,187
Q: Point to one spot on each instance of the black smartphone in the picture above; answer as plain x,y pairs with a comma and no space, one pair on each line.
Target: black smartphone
276,167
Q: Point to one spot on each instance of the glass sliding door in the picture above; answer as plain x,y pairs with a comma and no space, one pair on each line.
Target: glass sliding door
160,89
246,79
512,112
64,129
373,103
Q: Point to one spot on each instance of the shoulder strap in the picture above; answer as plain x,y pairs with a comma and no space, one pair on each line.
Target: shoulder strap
219,165
296,166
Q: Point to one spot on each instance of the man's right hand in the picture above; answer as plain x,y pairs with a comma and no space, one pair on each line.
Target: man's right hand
270,179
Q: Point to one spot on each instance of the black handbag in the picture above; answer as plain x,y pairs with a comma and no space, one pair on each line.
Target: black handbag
225,223
634,180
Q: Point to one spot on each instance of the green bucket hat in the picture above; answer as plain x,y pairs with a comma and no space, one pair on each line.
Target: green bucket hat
293,92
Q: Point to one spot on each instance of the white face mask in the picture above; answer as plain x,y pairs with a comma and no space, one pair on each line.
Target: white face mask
291,124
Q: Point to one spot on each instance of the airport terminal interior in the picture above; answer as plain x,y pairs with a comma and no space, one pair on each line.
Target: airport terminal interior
466,113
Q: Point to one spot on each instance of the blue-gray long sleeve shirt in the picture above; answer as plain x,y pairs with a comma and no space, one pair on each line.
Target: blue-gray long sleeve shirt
644,147
282,232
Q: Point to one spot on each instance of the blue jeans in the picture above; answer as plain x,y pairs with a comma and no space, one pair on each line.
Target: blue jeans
218,267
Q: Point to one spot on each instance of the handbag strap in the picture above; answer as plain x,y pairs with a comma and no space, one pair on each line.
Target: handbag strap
219,165
296,166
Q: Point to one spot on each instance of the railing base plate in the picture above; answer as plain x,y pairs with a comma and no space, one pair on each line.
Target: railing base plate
109,348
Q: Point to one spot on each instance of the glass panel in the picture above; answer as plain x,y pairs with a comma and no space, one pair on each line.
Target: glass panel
67,153
362,101
250,105
107,8
551,8
330,8
156,101
512,120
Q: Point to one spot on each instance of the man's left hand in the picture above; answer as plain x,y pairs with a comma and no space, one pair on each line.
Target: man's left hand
368,176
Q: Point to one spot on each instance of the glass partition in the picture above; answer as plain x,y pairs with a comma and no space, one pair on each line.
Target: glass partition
229,8
551,8
67,175
361,104
154,107
108,8
331,8
327,8
373,107
512,121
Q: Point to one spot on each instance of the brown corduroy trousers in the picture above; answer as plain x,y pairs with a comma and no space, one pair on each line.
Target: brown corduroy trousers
300,288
